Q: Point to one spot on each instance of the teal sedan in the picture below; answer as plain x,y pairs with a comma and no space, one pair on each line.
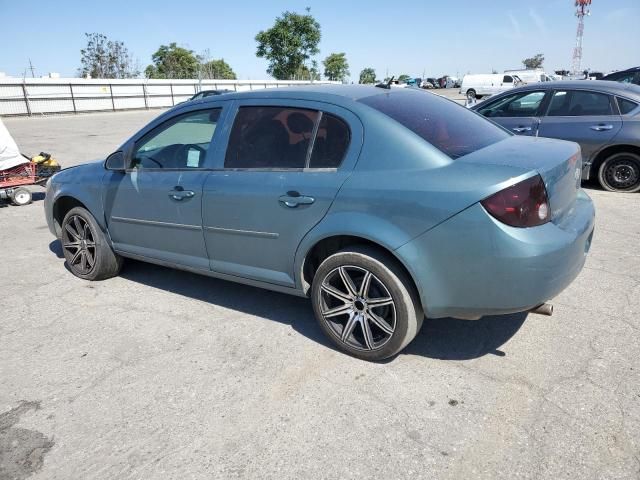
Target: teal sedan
380,205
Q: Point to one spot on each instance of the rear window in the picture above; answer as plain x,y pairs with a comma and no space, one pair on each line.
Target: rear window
452,129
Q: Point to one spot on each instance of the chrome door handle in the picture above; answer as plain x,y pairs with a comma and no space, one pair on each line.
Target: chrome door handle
180,195
521,129
293,199
601,127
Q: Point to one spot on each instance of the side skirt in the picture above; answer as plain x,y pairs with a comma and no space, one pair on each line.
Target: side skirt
221,276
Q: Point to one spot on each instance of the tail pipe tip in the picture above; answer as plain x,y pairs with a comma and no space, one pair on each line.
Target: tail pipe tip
543,309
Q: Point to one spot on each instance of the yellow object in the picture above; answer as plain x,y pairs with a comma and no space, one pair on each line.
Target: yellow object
45,159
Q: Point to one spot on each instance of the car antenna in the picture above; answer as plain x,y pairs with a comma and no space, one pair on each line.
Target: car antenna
386,84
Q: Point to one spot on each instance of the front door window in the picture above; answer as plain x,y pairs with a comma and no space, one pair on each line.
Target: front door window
181,143
517,105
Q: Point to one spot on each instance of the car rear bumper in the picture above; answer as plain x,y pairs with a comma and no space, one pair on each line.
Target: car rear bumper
473,265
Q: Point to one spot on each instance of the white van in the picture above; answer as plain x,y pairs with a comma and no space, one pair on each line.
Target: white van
530,76
479,85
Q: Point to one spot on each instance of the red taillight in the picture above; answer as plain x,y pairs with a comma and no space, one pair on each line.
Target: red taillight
524,204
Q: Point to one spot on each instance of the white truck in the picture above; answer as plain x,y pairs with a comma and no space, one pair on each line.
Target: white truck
479,85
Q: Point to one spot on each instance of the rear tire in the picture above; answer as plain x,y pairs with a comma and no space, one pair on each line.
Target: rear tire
85,247
21,196
620,173
471,94
374,317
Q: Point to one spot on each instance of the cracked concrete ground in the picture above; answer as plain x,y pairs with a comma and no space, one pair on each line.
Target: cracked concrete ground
165,374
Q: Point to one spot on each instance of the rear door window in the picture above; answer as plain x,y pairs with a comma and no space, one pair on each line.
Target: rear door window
579,103
451,128
286,138
270,137
331,143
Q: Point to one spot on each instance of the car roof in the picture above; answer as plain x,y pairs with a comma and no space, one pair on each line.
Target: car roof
338,93
607,86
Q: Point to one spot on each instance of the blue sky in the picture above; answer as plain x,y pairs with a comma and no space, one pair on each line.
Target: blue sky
399,37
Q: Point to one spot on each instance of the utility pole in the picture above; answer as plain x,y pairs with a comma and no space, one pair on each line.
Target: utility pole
32,68
582,10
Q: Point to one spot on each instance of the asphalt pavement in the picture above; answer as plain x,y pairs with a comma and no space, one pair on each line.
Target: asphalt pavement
162,374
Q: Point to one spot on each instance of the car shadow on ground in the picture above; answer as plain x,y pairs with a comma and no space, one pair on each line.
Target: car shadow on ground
592,185
35,197
455,339
56,247
443,338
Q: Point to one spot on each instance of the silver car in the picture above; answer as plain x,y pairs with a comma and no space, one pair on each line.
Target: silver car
603,117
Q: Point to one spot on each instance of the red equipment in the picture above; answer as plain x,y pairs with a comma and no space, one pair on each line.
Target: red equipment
14,180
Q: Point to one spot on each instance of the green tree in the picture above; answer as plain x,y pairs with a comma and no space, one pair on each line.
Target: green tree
171,61
367,75
533,62
104,58
304,73
336,66
292,40
219,69
403,78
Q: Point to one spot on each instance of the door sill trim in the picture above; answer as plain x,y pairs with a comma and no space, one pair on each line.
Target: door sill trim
155,223
233,231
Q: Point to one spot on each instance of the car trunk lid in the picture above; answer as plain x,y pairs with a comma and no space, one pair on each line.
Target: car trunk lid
556,161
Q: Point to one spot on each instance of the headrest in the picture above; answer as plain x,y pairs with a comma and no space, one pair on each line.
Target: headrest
299,123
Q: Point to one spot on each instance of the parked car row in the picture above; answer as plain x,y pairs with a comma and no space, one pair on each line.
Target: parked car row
442,82
476,86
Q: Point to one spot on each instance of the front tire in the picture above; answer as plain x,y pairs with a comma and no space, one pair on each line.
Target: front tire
620,173
366,303
86,249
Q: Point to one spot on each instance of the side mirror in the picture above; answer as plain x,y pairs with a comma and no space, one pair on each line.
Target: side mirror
115,161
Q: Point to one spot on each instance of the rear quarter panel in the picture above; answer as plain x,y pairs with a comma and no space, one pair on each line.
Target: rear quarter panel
629,134
402,187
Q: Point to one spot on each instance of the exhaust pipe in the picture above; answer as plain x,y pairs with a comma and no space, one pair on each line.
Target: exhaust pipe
543,309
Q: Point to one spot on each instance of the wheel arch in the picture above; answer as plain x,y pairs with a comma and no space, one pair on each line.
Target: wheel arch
331,243
606,152
61,207
65,201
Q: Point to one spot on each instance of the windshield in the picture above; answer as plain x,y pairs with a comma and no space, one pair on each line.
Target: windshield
451,128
